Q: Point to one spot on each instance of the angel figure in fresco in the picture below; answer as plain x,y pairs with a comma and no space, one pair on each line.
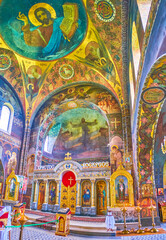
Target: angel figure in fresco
96,56
50,32
33,79
12,163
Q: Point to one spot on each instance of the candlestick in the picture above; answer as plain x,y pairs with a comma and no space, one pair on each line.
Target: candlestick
138,209
153,229
125,231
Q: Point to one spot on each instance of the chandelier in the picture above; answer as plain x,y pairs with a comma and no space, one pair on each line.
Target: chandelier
163,146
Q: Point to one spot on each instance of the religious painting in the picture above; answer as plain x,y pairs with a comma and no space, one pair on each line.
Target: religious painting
41,195
86,194
101,197
160,191
52,193
30,164
121,189
12,188
82,131
147,190
116,157
44,30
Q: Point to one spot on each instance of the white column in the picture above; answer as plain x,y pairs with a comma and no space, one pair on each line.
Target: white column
93,193
57,192
46,192
108,192
36,190
78,194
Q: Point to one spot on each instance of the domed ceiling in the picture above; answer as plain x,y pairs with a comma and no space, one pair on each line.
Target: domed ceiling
52,44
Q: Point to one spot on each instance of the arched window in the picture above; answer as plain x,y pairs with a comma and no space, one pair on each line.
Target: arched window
6,118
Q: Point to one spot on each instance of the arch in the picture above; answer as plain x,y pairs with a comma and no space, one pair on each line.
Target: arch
60,89
144,153
51,117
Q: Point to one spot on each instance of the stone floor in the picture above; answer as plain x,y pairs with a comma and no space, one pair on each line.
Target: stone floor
31,233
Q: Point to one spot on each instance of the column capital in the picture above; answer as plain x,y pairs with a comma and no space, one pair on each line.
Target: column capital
93,181
78,181
108,180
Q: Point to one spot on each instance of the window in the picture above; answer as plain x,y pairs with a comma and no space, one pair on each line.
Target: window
6,118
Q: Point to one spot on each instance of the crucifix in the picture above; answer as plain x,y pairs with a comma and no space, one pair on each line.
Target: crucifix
68,156
115,122
70,179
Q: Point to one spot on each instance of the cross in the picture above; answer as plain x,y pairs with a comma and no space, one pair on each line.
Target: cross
68,156
70,179
115,122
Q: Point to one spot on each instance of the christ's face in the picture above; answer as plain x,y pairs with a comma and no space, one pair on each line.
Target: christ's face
42,16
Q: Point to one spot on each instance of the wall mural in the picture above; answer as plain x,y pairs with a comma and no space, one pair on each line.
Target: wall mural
44,30
82,132
11,144
148,115
159,156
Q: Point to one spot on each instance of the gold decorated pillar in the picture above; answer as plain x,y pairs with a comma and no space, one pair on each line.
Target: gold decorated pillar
108,192
57,193
78,193
36,190
46,191
93,193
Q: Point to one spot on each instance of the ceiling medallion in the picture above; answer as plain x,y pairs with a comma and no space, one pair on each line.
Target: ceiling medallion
5,62
153,95
66,71
105,10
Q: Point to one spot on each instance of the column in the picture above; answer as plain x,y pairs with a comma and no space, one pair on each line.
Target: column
57,193
108,193
45,204
93,207
78,207
56,206
34,204
93,193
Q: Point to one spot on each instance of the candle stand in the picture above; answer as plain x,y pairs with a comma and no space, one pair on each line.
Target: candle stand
138,209
125,231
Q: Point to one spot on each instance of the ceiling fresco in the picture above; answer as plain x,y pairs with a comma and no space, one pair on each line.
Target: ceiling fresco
43,31
87,47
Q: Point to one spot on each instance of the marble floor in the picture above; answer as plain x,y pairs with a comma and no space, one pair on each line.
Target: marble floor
31,233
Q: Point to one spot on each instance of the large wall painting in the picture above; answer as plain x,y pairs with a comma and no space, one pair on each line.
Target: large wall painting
44,30
78,131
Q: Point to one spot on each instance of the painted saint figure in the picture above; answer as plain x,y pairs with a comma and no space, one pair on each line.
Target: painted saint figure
86,195
121,190
49,33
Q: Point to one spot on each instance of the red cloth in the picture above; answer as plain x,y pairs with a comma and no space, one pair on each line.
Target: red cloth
69,179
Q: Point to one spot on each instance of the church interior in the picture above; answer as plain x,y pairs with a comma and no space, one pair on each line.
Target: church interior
83,110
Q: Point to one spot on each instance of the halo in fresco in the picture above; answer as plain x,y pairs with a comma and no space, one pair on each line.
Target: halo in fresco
105,10
46,30
31,13
153,95
5,62
66,71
